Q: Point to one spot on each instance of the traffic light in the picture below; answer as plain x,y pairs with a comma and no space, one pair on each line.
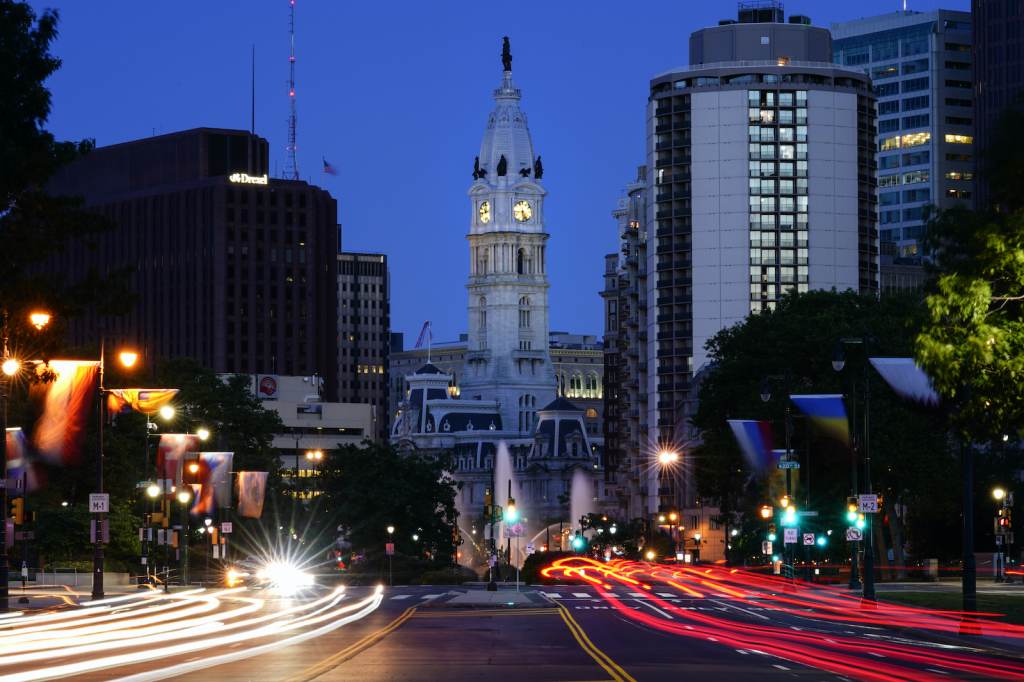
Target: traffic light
18,510
789,517
860,523
851,509
771,532
511,513
578,543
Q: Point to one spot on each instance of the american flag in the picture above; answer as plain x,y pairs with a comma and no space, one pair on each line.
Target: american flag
328,168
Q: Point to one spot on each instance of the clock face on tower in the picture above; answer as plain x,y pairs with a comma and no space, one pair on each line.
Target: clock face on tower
522,211
485,212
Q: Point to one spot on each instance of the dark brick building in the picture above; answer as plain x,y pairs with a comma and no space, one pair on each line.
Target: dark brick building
230,267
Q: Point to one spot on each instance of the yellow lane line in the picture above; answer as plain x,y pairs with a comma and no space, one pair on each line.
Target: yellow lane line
471,613
601,658
348,652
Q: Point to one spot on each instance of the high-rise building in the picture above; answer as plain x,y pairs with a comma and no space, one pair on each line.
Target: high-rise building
761,171
228,265
998,27
628,473
364,333
920,68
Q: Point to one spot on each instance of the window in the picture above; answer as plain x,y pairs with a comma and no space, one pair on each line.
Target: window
888,180
953,138
524,312
959,121
916,158
912,103
887,217
889,143
918,121
958,47
887,162
912,46
887,89
482,312
885,50
959,175
957,102
915,84
888,198
915,139
916,195
890,107
888,125
915,177
966,85
915,66
958,66
882,72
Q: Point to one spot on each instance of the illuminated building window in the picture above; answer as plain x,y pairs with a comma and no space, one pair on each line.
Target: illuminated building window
959,139
915,139
889,143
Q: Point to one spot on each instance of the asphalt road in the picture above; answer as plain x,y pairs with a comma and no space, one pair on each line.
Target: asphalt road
570,633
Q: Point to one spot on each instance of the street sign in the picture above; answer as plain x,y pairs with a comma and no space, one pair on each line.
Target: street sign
514,530
530,549
766,547
389,549
789,464
225,527
807,513
99,503
867,504
808,538
854,534
789,536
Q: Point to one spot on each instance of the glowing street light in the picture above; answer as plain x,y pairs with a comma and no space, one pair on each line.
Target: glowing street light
10,367
314,455
667,457
184,496
650,555
167,413
766,511
391,530
153,491
128,358
998,493
39,319
203,433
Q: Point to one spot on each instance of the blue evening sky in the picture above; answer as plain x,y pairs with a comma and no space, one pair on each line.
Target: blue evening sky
396,95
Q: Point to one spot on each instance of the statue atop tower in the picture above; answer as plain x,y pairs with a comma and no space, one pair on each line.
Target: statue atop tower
506,54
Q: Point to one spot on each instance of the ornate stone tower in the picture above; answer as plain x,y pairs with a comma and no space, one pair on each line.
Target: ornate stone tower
507,358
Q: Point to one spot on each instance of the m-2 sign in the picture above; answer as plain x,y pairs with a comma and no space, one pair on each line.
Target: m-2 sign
99,503
867,504
789,536
854,534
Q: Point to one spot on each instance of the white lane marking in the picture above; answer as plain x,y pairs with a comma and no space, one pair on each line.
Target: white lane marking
933,670
739,608
401,596
876,654
552,595
637,595
431,596
780,667
666,595
741,651
581,595
652,606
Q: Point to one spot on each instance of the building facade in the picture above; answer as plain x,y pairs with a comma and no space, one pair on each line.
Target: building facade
761,175
364,334
998,27
920,66
628,472
228,266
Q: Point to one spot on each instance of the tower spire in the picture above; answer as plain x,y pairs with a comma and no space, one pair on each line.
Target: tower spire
292,170
506,54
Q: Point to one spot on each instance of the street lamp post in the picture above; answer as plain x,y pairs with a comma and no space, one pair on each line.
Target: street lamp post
838,362
391,533
766,396
183,497
10,367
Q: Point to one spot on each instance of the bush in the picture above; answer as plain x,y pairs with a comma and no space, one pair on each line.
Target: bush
448,576
530,572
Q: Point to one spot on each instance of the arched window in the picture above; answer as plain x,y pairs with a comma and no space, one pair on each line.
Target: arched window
591,386
524,312
576,385
527,412
481,305
521,262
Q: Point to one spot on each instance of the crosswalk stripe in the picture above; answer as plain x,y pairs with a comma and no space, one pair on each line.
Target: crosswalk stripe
552,595
581,595
637,595
431,596
665,594
401,596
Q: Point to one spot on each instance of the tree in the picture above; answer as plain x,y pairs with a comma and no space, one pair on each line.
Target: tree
911,460
972,341
366,489
35,226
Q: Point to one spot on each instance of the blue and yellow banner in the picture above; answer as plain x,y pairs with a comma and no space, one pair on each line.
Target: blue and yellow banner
828,412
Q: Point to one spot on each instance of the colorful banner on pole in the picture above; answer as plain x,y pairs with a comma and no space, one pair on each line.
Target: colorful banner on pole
22,473
144,400
252,488
827,412
65,403
170,455
755,439
907,379
215,477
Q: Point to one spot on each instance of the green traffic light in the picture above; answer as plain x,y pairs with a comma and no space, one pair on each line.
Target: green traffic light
577,543
771,537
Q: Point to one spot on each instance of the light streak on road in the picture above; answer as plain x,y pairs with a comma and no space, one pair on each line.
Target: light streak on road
833,651
195,623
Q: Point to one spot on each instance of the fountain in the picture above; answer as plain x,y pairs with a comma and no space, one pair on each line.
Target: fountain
504,473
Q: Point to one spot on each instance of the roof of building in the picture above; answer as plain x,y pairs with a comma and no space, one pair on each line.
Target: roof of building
560,405
429,368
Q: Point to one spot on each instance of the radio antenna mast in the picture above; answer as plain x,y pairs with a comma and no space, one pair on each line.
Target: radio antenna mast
292,169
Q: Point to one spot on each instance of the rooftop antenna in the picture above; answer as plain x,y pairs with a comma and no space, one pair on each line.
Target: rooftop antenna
252,90
292,169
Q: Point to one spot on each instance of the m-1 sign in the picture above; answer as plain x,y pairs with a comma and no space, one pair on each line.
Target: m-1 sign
867,504
99,503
